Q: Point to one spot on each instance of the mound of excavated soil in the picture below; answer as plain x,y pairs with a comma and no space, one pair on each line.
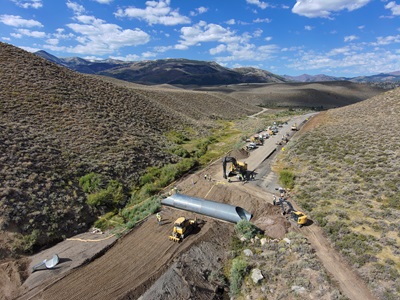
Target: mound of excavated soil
12,275
239,153
274,226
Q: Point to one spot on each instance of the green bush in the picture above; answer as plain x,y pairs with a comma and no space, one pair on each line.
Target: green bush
27,242
180,151
109,220
101,198
91,182
141,210
112,196
286,178
246,229
157,178
237,274
177,137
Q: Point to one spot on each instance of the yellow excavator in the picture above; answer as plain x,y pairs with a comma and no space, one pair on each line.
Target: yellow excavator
236,168
182,228
297,217
257,140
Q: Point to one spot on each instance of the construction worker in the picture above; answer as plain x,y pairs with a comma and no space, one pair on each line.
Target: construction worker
158,215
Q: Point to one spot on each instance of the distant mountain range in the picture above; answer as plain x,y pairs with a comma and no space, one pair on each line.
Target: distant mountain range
382,77
195,72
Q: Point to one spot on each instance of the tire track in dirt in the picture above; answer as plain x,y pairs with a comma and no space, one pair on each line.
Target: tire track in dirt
134,260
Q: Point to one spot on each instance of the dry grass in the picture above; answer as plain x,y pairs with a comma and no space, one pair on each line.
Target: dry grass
347,178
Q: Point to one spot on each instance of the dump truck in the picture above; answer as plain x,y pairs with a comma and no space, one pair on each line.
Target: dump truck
182,228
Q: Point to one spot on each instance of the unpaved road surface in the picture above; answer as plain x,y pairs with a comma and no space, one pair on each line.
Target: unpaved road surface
143,257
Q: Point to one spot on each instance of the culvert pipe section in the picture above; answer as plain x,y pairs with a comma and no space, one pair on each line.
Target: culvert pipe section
222,211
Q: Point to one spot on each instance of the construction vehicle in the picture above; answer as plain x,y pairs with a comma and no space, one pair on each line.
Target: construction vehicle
182,228
295,216
251,146
294,127
236,168
257,140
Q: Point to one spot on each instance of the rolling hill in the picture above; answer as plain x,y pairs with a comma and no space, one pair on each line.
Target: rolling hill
346,163
58,125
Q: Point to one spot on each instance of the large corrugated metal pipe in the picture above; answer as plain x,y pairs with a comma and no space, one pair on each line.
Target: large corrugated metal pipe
213,209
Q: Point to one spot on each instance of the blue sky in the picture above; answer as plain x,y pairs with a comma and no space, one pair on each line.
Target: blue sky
334,37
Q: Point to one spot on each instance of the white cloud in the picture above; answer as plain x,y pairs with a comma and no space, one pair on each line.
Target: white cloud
16,35
35,34
129,57
30,49
394,8
324,8
148,55
292,49
52,41
257,33
266,20
350,38
98,37
231,22
346,59
202,9
237,47
203,32
28,3
268,38
339,51
218,49
308,28
391,39
59,34
104,1
17,21
198,11
77,8
248,52
155,13
260,4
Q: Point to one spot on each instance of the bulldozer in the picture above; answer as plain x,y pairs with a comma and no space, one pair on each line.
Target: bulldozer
182,228
236,168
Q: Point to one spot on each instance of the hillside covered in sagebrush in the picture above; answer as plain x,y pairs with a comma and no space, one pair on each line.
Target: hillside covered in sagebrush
57,126
346,167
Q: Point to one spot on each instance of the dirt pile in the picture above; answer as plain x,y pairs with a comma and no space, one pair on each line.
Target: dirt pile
193,274
12,275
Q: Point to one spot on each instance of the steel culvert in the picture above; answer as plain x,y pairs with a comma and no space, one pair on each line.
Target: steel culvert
222,211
